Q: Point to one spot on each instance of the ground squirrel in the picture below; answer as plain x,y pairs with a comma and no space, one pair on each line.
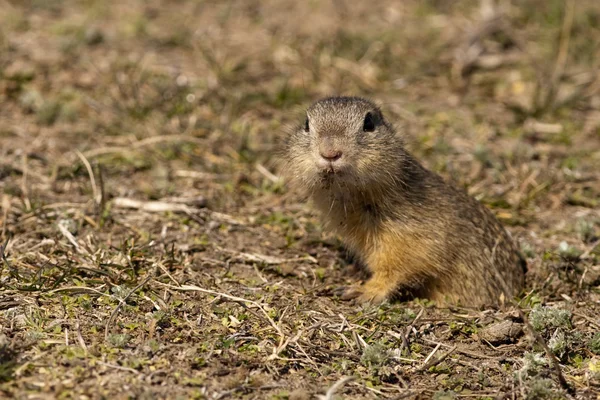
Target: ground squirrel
411,229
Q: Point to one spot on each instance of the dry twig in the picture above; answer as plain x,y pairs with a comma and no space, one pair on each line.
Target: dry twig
335,387
121,302
431,363
90,172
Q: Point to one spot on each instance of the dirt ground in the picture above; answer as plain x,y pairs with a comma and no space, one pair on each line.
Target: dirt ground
150,248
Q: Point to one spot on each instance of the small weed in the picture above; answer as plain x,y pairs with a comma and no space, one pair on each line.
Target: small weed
586,230
461,327
48,112
543,389
35,335
31,100
120,291
321,273
594,343
594,370
533,364
577,361
7,359
395,315
375,356
532,300
119,340
153,345
416,348
559,343
527,250
543,318
445,395
568,252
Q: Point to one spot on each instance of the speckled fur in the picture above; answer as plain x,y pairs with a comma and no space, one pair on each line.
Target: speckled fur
411,229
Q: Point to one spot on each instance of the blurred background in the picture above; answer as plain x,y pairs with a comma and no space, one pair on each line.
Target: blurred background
470,83
108,106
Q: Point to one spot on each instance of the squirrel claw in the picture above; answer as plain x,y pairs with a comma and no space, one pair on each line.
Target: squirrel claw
360,294
348,292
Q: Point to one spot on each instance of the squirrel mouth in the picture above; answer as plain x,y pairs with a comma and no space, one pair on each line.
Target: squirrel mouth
329,171
329,174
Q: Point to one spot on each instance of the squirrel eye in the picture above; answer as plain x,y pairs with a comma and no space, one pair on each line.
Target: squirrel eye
369,124
306,127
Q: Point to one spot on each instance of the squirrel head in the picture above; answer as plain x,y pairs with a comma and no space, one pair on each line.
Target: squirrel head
343,143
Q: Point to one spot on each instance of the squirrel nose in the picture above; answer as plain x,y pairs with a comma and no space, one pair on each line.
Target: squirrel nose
331,155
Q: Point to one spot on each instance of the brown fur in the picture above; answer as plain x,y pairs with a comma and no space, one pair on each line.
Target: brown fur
410,228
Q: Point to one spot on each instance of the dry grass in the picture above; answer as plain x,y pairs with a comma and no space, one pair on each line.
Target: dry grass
150,250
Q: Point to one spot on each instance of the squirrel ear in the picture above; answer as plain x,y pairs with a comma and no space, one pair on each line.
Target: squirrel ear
306,127
369,123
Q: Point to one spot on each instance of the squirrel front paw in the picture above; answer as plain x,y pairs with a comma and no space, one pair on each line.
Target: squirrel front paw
348,292
363,294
